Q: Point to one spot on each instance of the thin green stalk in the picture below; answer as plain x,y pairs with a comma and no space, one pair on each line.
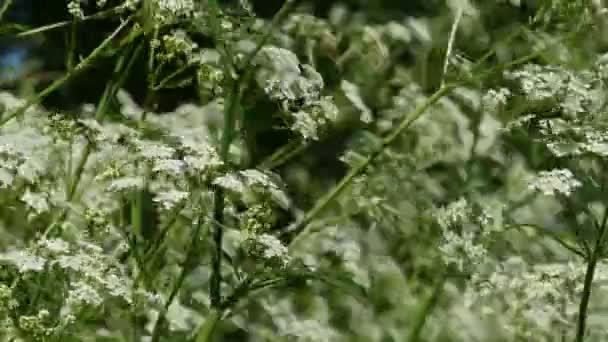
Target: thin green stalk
98,15
83,65
186,268
215,281
218,203
170,77
5,7
427,309
206,331
297,229
451,39
230,115
283,11
324,201
71,56
588,282
550,234
283,154
111,87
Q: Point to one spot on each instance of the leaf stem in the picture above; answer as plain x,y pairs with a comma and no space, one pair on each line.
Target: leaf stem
206,331
111,87
427,308
83,65
588,282
324,201
297,229
98,15
186,268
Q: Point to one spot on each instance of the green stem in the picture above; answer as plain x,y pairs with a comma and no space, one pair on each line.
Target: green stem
83,65
206,331
5,7
186,268
215,281
98,15
588,282
283,154
218,202
170,77
101,110
427,309
446,62
324,201
111,87
230,115
297,229
71,57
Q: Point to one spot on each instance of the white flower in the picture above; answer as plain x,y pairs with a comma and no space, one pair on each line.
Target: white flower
461,250
83,293
152,151
305,125
273,247
555,181
75,9
454,213
171,167
279,59
266,183
169,10
230,182
24,260
495,99
256,181
56,246
169,199
267,247
126,184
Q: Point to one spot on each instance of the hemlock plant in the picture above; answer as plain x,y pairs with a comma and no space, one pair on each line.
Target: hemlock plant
470,204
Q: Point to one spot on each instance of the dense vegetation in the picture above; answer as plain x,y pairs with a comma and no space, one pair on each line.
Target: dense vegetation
207,170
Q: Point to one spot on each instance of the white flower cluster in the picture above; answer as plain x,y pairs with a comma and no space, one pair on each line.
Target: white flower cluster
178,44
258,218
560,181
574,94
453,214
461,244
530,300
461,250
91,277
24,154
564,139
171,198
270,251
168,11
493,99
75,9
253,181
298,88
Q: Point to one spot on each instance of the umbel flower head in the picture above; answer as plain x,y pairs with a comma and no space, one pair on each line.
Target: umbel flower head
557,181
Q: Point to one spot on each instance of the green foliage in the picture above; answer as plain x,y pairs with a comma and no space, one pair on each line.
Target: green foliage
347,171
